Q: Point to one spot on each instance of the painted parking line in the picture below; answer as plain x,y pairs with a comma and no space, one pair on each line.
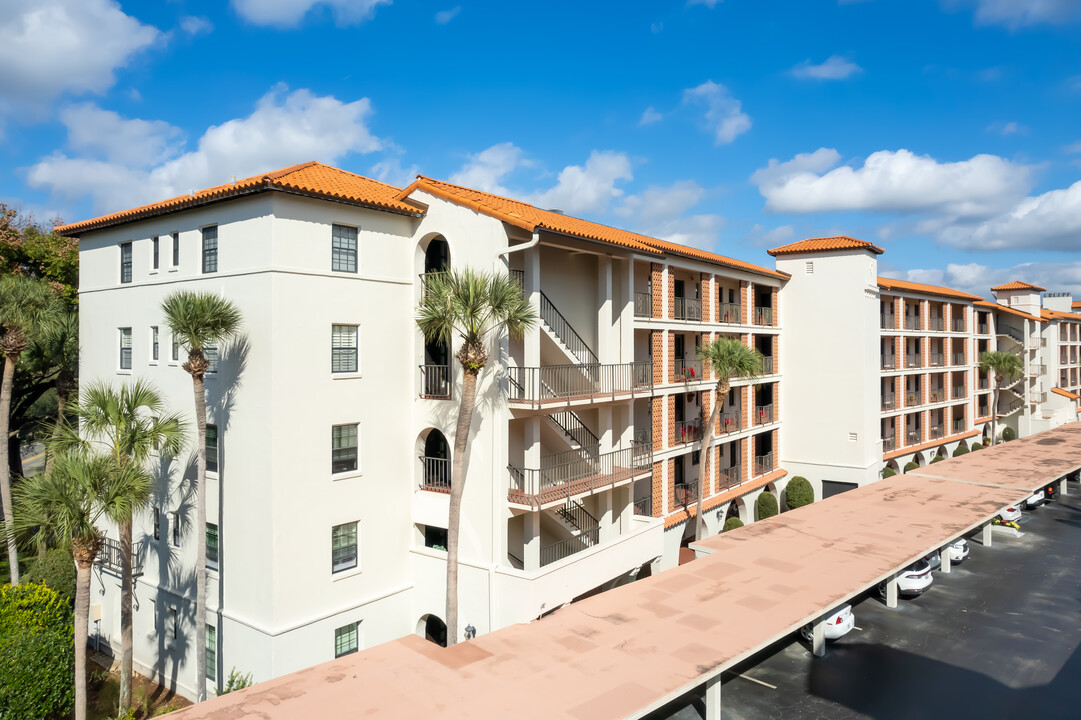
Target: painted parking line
857,627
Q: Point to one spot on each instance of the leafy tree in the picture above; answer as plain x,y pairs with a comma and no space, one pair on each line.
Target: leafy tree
236,681
475,307
27,308
729,358
34,250
798,493
37,658
128,424
1004,366
731,524
54,569
1008,434
199,320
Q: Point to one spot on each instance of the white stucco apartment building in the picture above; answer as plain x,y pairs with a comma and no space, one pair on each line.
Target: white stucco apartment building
332,419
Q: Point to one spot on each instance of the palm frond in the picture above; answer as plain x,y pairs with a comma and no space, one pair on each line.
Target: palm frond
200,319
730,358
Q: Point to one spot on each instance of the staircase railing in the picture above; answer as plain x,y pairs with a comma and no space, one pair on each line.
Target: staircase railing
566,334
573,426
577,516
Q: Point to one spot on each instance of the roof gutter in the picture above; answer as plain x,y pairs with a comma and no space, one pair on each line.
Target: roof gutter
526,246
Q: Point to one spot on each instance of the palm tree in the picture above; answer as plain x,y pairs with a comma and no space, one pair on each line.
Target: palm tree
27,307
59,347
199,320
66,504
1005,366
128,425
729,358
475,306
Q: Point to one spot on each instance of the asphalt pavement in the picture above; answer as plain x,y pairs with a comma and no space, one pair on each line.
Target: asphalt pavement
998,637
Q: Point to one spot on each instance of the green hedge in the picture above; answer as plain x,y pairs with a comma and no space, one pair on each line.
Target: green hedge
57,570
731,524
37,653
962,449
1008,434
911,465
798,493
888,472
977,446
766,505
938,458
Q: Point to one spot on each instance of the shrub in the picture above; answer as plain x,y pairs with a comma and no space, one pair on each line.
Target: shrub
236,681
937,458
888,472
987,442
962,449
976,446
57,570
731,524
37,653
798,493
1008,434
766,505
911,465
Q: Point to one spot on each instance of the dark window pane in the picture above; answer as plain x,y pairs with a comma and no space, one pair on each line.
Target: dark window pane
343,448
211,652
210,249
154,244
343,348
212,546
125,348
343,249
125,262
212,448
176,249
345,640
343,547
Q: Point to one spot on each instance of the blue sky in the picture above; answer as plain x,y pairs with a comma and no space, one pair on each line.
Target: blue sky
948,131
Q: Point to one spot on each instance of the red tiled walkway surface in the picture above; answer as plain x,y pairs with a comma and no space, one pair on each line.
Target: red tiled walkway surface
622,652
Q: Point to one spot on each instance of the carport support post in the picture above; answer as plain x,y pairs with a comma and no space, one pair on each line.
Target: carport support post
1062,489
818,638
944,555
986,536
713,698
891,592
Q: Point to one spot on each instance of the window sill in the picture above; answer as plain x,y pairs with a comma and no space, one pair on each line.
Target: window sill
335,477
123,372
346,376
153,272
343,574
153,363
174,268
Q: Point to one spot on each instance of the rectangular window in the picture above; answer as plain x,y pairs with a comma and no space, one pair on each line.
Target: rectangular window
212,546
345,640
154,342
343,249
212,356
343,348
125,348
343,448
174,623
157,524
343,544
154,252
125,262
212,448
176,349
174,528
176,249
211,652
210,249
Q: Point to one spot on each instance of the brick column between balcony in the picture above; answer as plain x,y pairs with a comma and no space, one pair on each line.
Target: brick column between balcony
670,484
657,338
656,288
746,460
670,291
776,353
671,414
658,423
776,439
744,302
704,293
773,305
671,374
658,489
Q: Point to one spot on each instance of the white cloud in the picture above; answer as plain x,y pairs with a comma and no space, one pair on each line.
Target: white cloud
486,169
1007,128
1073,148
650,116
897,182
661,212
135,143
445,16
834,68
759,236
978,279
589,188
285,128
708,3
392,172
1019,13
724,116
1051,221
196,25
289,13
51,47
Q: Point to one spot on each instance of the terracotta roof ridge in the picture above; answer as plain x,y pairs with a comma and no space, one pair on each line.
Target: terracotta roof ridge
282,172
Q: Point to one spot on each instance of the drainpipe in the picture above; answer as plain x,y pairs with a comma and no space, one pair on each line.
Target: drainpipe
518,248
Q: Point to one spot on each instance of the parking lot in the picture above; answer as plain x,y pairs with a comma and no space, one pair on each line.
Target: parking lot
997,637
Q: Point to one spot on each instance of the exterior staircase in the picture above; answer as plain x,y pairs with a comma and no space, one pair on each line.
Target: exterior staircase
577,520
577,436
564,335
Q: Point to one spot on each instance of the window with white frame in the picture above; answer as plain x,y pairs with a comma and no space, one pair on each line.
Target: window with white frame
157,523
176,249
343,547
343,249
212,448
176,348
125,262
210,249
210,352
174,529
125,348
343,348
154,342
212,546
211,652
343,448
154,247
345,640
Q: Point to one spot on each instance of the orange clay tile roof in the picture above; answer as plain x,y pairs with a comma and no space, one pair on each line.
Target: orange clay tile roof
1076,305
1065,393
988,305
891,284
310,178
1057,315
839,242
1017,285
529,217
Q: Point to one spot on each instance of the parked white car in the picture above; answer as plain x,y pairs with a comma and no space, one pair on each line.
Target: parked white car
958,552
1033,501
1010,514
912,581
837,625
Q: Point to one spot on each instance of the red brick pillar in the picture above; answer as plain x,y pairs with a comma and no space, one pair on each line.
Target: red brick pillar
776,353
657,288
746,460
776,402
898,313
773,304
672,355
659,359
744,302
658,489
671,484
707,298
776,449
707,405
671,414
658,423
670,291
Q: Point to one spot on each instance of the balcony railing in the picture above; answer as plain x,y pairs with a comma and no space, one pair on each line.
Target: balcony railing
1013,334
958,425
983,411
763,464
984,383
109,557
729,421
936,323
763,316
687,370
889,402
570,473
424,277
912,322
936,359
935,432
958,392
936,395
913,399
688,309
912,360
889,443
538,385
730,313
518,278
886,321
958,324
686,493
565,548
889,362
1038,397
1035,370
435,474
767,364
959,358
435,382
763,414
912,437
687,431
644,506
729,477
643,304
643,436
983,329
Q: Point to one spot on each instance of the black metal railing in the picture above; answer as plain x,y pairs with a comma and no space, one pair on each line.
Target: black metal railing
763,414
687,431
570,382
435,382
729,313
687,309
644,506
730,421
912,322
565,332
767,364
959,358
643,436
565,548
983,329
576,515
935,432
959,425
936,359
913,398
109,557
958,392
686,493
424,277
729,477
763,464
435,474
1012,334
687,370
889,362
573,426
958,324
913,437
912,360
889,402
889,443
565,474
518,278
936,395
886,321
936,323
763,316
643,304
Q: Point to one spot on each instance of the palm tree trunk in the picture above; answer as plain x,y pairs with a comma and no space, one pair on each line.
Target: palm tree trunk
5,486
200,539
994,414
63,386
82,619
707,441
125,615
457,485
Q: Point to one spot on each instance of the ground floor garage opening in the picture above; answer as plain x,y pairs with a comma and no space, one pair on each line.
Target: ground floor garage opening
836,487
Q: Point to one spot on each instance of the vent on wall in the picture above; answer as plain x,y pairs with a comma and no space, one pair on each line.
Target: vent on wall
809,268
853,437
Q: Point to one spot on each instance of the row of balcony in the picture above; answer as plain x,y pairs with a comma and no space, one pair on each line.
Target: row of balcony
691,309
564,475
934,324
934,432
915,360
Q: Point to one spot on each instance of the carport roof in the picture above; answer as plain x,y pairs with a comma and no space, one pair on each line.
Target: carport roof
629,650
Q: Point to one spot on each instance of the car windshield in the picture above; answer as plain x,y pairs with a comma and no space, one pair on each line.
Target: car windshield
919,566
